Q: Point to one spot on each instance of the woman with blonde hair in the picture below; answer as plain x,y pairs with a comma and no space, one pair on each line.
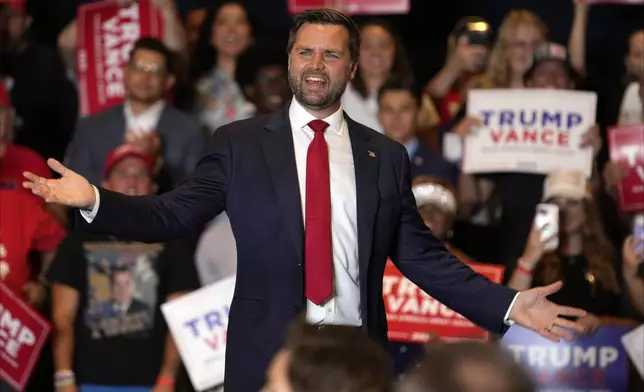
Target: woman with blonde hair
579,255
519,34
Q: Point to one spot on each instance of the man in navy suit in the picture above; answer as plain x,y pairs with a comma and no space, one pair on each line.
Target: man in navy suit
398,108
276,175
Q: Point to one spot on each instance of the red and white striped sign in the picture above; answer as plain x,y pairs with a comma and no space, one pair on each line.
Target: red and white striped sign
106,34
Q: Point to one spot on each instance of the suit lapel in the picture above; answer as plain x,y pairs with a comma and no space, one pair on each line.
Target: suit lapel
120,128
279,154
366,162
163,123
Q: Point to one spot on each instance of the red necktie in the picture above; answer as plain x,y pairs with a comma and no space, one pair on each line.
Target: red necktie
318,260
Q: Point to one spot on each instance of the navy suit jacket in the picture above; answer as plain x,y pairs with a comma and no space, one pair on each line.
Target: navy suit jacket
251,173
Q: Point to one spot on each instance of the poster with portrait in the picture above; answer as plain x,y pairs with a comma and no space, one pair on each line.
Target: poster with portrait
122,289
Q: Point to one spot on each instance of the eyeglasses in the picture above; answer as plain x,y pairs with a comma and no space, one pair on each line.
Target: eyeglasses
141,66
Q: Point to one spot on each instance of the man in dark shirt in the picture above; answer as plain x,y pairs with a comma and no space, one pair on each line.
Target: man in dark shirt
107,295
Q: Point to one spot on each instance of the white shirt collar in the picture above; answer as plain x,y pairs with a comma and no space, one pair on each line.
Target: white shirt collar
300,118
145,121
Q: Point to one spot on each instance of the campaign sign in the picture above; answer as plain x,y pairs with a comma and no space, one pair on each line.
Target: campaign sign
633,2
198,322
352,6
529,131
23,332
412,315
106,34
627,148
595,363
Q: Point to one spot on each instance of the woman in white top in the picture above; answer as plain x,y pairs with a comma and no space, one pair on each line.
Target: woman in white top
382,56
212,91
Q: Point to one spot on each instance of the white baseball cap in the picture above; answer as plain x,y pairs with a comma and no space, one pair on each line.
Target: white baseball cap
570,184
436,194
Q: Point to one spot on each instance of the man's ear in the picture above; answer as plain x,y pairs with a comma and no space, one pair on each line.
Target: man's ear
28,21
105,184
154,188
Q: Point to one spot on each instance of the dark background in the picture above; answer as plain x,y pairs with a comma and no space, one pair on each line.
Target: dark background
425,29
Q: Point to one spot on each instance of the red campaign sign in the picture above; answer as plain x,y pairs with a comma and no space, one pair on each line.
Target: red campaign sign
23,332
412,315
633,2
377,7
627,147
106,34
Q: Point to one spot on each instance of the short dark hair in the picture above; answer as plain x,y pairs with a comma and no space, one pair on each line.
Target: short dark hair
118,270
398,84
444,364
157,46
326,16
338,358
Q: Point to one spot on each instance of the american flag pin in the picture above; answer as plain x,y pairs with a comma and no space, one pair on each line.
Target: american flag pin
372,154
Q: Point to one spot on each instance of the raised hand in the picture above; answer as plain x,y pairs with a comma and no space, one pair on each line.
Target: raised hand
536,245
592,139
534,311
633,254
614,173
71,189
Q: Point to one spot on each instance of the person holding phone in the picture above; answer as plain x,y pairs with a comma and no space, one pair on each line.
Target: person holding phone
568,243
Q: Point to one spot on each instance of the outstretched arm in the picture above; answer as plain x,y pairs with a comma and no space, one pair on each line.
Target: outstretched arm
423,259
194,202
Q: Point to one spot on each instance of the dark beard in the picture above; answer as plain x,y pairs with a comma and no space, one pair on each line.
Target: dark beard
321,103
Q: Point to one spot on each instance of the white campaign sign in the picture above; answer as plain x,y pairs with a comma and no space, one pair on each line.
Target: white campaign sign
198,322
529,131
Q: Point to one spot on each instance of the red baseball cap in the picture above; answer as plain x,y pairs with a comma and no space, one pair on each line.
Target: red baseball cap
4,97
18,5
127,151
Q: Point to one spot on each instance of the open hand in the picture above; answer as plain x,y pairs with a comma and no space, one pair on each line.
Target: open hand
614,173
534,311
466,125
591,324
470,57
35,293
592,139
633,253
536,245
165,5
71,189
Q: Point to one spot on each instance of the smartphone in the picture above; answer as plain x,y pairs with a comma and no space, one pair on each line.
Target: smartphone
478,38
547,216
638,231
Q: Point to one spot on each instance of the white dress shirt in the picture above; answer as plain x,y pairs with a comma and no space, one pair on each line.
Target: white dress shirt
344,305
143,122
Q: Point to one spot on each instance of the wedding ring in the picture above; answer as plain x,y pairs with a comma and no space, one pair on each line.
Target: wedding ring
550,327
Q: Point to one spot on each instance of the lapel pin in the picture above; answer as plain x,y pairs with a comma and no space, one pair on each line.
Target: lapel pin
372,154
